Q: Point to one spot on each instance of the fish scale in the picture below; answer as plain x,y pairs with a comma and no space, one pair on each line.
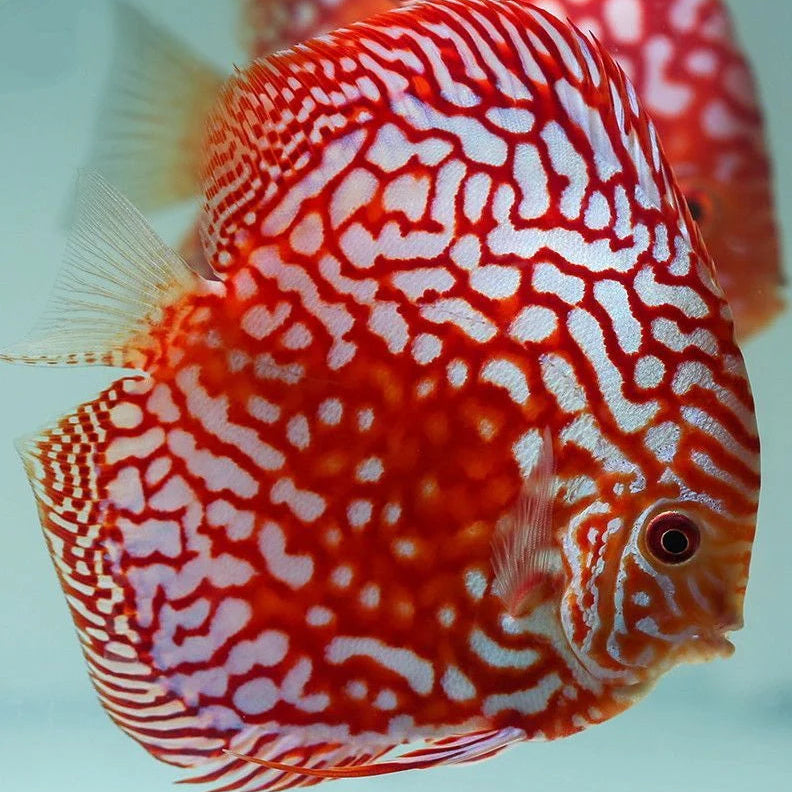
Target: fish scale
277,540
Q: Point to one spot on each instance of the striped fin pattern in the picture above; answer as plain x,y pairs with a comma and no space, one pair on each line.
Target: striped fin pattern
67,467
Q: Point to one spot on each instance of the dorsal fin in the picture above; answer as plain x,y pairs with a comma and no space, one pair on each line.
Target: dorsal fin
425,66
149,135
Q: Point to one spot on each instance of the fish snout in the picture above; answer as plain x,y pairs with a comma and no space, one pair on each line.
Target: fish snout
713,641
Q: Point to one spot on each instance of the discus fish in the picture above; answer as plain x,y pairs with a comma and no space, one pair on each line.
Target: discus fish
458,448
683,58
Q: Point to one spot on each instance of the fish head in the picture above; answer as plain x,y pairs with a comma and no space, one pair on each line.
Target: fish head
661,580
683,577
657,544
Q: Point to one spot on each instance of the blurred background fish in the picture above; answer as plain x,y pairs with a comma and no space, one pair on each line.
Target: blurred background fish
694,78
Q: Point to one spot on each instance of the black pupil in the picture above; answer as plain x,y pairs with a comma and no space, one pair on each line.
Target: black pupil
674,542
696,210
672,538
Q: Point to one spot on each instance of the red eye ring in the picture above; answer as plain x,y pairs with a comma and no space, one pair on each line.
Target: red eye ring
672,538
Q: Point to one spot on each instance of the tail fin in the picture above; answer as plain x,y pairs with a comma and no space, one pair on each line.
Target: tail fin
118,282
151,126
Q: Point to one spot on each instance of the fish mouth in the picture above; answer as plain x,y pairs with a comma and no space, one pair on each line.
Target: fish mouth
710,644
710,647
713,641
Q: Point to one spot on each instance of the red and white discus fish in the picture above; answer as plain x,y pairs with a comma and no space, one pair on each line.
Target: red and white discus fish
458,448
682,56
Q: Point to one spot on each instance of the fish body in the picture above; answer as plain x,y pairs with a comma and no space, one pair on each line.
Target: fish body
686,64
457,447
684,60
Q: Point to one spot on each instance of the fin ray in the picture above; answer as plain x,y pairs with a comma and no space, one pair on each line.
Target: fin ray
149,134
461,749
117,278
66,465
524,556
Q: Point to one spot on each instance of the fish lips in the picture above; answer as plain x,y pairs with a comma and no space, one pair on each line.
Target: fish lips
710,644
703,648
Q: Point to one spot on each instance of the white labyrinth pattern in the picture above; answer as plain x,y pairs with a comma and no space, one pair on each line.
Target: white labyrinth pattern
440,236
685,60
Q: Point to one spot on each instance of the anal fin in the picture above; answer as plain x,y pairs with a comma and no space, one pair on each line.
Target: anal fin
457,749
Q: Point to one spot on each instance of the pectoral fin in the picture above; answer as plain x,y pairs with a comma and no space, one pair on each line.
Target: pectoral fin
525,557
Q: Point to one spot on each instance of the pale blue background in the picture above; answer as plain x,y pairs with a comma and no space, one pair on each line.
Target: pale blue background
718,728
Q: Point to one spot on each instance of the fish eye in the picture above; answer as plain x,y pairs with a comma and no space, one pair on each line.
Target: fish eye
672,538
699,206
